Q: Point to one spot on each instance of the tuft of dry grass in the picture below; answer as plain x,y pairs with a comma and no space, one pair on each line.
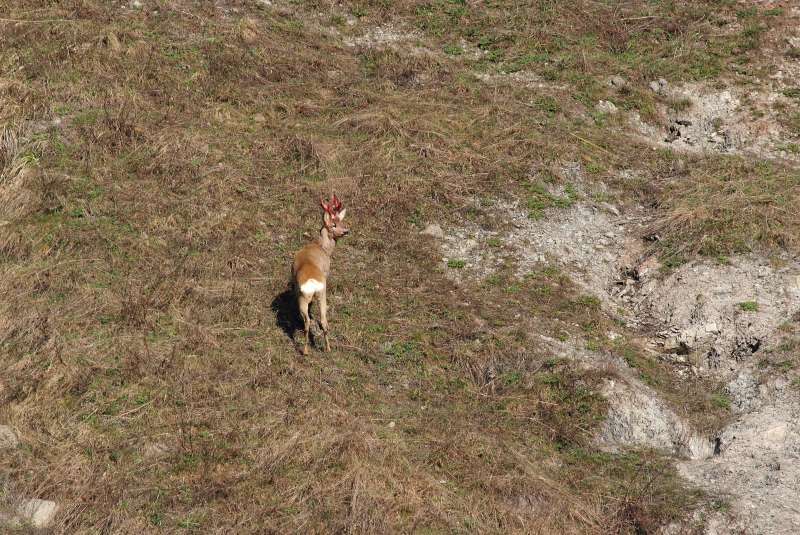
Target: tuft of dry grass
730,206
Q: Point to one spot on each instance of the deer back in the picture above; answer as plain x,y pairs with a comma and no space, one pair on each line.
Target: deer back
311,263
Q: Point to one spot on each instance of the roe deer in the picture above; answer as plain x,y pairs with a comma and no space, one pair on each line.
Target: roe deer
312,265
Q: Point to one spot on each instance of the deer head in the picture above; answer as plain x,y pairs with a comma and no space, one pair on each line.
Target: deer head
332,217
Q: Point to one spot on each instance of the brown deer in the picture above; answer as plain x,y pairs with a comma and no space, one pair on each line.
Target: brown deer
313,263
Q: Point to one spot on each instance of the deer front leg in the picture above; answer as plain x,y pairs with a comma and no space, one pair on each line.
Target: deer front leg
303,301
323,317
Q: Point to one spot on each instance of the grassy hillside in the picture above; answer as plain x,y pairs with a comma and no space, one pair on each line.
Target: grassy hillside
160,164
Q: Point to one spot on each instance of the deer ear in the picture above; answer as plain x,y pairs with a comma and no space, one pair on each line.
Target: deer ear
326,218
341,214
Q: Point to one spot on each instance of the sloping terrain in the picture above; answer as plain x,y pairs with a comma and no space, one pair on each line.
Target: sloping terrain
570,301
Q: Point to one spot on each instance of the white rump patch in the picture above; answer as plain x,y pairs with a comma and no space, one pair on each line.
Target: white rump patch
311,286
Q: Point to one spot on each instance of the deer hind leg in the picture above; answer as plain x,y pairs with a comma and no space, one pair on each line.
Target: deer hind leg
323,317
303,302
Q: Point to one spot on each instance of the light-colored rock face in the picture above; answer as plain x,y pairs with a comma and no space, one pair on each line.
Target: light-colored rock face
725,313
744,392
637,417
584,238
39,513
758,467
732,121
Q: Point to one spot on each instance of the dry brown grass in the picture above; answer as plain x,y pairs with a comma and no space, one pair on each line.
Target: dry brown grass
144,368
730,206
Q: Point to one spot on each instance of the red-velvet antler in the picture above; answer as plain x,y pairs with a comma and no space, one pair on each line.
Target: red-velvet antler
326,206
337,204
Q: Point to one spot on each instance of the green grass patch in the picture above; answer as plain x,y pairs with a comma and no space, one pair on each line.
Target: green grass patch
749,306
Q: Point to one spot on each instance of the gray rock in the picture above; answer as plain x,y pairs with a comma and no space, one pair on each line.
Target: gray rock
658,86
8,438
433,230
617,82
605,106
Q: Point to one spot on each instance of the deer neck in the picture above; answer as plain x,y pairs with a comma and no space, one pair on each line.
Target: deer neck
326,241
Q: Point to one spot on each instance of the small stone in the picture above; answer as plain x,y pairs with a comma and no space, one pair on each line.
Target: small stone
433,230
605,106
136,4
658,86
391,425
39,513
610,208
711,327
617,82
8,438
259,118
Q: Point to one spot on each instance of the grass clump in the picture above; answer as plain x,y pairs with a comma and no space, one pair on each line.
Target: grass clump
721,400
749,306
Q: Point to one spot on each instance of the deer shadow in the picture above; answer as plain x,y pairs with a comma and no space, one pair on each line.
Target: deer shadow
287,315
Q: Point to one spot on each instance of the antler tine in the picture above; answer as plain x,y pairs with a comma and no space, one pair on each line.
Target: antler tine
337,204
325,206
